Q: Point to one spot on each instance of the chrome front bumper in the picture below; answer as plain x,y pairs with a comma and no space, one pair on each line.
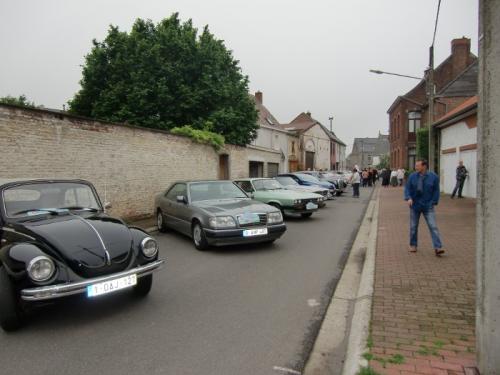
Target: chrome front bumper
43,293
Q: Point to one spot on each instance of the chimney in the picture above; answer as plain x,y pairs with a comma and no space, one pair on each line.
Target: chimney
258,97
460,52
308,113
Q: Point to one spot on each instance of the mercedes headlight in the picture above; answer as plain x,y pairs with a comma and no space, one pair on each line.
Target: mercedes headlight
222,222
41,268
274,217
297,201
149,247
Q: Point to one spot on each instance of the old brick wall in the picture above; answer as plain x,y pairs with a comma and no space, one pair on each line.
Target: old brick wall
128,165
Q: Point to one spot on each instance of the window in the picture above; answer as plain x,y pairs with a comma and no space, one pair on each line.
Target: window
412,155
245,186
175,191
255,169
413,121
201,191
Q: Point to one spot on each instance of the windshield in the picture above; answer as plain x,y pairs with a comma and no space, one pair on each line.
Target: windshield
307,177
41,198
268,184
202,191
286,181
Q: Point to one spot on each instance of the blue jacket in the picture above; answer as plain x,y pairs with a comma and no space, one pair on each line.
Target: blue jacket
429,196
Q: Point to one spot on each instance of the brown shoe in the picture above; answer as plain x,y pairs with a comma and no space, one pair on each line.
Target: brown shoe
439,252
413,249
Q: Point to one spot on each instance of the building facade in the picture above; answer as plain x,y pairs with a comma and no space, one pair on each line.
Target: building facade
271,152
457,136
318,148
409,112
368,152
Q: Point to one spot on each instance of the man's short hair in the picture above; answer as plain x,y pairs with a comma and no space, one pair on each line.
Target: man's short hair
423,162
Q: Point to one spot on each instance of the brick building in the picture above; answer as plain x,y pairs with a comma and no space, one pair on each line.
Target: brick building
455,81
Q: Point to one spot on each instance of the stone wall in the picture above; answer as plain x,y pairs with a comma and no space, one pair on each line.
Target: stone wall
128,165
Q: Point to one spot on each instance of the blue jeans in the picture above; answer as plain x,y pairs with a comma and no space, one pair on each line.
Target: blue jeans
355,190
430,218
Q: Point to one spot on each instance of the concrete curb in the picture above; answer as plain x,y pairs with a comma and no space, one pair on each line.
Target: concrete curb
151,229
360,324
353,292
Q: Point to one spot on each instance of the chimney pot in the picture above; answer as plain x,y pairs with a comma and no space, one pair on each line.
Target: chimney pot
462,43
258,96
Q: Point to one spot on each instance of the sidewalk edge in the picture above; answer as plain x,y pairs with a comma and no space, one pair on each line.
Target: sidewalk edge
360,324
334,331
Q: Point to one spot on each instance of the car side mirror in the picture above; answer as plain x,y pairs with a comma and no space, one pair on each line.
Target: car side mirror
107,205
181,199
251,194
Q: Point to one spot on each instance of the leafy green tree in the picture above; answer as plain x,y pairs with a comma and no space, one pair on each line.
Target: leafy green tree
423,143
384,162
167,75
21,100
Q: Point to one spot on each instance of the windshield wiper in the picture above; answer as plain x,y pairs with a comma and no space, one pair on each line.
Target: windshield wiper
80,208
42,210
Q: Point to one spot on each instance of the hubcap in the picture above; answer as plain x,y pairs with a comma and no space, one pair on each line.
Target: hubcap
160,220
197,234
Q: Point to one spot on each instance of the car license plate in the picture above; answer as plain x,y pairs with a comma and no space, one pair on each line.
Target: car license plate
254,232
311,206
106,287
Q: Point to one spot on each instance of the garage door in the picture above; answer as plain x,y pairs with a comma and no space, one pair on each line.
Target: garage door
272,169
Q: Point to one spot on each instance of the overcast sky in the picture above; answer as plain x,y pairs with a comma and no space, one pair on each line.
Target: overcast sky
303,55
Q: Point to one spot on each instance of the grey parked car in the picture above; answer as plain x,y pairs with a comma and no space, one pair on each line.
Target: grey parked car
217,213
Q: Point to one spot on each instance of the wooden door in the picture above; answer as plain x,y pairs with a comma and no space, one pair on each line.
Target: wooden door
224,167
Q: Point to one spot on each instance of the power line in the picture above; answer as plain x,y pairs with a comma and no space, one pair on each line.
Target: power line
436,23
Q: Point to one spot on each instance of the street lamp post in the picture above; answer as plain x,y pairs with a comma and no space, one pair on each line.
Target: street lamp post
430,94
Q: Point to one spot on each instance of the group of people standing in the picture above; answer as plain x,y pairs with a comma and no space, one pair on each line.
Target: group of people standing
365,177
394,177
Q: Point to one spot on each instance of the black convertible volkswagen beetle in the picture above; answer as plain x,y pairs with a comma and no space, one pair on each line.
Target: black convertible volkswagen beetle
56,240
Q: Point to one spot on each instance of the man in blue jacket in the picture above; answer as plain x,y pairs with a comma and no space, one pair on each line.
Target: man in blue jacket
422,194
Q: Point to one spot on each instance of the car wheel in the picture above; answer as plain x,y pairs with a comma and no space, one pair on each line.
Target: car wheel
306,215
199,238
277,206
160,222
143,286
10,313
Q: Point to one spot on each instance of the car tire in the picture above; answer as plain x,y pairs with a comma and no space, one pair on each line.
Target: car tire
160,222
199,238
274,204
10,312
306,215
143,286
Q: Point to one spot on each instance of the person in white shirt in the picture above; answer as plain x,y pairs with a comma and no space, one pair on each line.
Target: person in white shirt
394,177
355,181
400,176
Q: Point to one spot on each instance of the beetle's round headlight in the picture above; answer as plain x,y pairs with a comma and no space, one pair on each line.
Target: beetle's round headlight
41,268
149,247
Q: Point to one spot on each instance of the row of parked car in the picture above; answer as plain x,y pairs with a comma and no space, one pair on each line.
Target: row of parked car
249,210
56,239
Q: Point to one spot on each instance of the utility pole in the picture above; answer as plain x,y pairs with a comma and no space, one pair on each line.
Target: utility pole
430,91
488,183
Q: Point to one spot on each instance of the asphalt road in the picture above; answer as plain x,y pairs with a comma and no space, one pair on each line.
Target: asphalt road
239,310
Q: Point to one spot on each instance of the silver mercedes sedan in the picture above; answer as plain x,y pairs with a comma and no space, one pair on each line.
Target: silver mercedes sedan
216,213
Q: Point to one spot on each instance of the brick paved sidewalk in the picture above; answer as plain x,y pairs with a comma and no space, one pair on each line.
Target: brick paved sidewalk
424,307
